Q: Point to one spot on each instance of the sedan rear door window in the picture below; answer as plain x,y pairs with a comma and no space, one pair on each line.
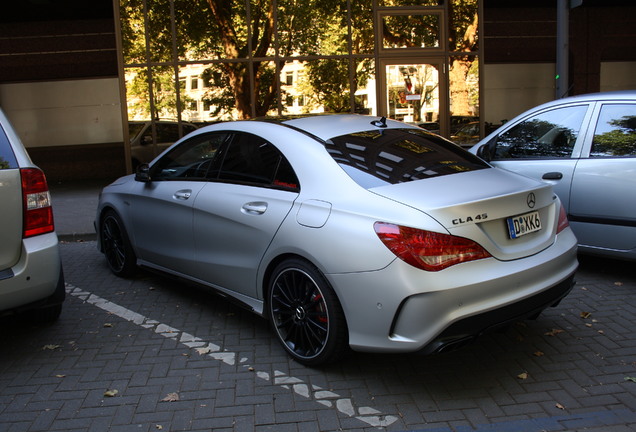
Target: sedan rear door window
251,160
615,134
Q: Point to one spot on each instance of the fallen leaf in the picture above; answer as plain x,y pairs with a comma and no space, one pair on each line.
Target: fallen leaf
618,283
60,376
559,406
50,347
171,397
553,332
523,375
539,354
586,315
632,379
203,351
108,325
111,393
588,325
158,427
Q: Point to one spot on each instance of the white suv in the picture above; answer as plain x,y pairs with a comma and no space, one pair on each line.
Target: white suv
31,276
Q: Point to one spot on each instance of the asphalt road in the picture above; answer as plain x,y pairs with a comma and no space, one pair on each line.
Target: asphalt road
151,353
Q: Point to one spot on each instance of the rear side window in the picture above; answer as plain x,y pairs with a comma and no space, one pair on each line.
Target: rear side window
390,156
550,134
251,160
7,158
615,134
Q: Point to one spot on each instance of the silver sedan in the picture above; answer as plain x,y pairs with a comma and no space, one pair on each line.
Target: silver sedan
585,147
345,232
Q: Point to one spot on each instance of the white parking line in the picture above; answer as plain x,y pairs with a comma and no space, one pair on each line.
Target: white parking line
324,397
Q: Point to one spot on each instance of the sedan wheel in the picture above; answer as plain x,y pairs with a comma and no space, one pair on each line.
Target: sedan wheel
306,315
116,245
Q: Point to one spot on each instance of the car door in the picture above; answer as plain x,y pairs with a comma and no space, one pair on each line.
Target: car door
238,212
544,145
603,195
161,209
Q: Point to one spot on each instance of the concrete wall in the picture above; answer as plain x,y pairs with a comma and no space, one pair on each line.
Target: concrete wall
510,89
618,76
72,129
58,113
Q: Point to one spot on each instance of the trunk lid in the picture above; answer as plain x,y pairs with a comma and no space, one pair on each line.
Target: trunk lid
478,204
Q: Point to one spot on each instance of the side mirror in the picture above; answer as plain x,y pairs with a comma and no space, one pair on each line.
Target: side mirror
487,151
483,152
143,173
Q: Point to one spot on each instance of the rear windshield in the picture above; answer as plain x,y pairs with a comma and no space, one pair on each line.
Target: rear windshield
390,156
7,158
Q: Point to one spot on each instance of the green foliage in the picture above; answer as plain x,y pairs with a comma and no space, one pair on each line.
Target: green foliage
223,33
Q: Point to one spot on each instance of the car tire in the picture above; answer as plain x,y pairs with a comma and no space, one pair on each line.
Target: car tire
306,315
116,246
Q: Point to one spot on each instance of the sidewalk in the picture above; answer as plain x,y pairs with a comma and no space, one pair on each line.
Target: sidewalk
74,207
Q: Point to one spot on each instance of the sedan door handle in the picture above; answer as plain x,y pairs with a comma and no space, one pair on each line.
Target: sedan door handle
552,176
254,207
182,194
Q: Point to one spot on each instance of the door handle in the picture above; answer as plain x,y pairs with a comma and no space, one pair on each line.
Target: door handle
258,207
182,194
552,176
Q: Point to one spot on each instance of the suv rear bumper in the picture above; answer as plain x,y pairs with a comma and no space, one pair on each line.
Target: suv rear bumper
36,280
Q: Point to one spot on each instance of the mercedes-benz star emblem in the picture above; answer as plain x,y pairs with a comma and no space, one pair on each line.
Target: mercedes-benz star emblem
531,201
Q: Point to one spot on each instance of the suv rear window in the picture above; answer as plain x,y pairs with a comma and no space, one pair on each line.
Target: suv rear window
7,158
389,156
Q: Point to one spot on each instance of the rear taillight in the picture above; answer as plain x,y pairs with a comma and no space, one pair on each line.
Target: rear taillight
563,220
428,250
38,213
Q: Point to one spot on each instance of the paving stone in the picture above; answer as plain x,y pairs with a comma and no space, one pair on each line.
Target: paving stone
256,387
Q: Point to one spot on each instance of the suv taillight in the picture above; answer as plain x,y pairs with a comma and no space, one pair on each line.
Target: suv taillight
38,213
428,250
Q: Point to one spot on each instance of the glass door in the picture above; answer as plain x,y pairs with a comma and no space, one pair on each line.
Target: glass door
413,92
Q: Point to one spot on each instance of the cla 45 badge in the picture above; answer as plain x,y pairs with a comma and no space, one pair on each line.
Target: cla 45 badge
468,219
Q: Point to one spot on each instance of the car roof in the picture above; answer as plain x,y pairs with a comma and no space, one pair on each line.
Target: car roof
592,97
329,126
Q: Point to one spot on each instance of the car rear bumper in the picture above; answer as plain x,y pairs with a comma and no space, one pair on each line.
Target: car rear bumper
403,309
36,279
468,329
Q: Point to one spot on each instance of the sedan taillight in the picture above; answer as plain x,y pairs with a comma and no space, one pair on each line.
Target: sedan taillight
428,250
38,213
563,220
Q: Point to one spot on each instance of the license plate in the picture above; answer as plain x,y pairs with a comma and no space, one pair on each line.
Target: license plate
524,224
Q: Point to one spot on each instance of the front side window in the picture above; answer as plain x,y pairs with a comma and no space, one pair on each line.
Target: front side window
390,156
615,134
550,134
249,159
191,159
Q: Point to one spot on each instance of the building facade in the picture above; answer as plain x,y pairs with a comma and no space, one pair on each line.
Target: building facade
73,77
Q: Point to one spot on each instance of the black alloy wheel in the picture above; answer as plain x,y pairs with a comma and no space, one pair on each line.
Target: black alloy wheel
116,245
306,315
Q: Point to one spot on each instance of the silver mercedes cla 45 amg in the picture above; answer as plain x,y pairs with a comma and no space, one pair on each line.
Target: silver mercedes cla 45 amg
344,231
